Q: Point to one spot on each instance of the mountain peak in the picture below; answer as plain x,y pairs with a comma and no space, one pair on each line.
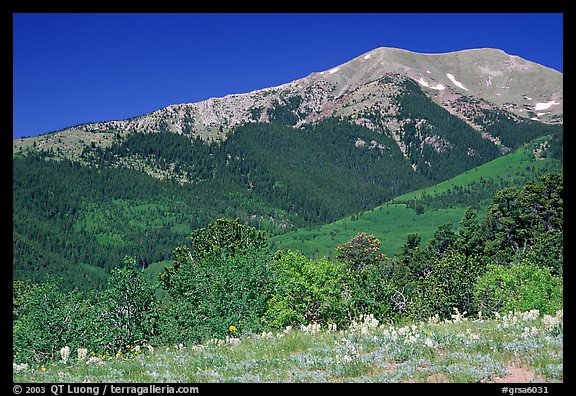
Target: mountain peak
464,82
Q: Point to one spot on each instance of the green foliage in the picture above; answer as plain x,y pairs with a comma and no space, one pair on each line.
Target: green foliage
448,285
519,287
360,252
548,251
207,296
444,202
222,281
306,291
225,236
368,287
50,319
20,294
518,216
129,303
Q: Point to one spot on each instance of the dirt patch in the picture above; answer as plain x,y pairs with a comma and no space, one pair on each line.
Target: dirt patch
514,375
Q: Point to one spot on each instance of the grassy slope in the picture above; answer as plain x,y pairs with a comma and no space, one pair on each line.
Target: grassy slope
392,221
460,350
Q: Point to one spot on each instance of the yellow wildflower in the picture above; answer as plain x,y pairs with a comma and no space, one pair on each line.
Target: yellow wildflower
43,369
232,328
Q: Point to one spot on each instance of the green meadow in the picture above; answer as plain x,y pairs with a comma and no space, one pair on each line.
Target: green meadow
442,203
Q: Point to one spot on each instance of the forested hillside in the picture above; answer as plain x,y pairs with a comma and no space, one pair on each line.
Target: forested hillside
226,283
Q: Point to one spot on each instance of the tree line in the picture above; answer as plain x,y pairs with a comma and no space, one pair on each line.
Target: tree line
226,276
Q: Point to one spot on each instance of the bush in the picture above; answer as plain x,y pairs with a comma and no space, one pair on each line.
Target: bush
519,287
128,307
306,291
50,319
449,285
206,297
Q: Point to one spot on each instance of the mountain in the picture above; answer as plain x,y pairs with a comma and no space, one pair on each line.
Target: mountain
302,154
471,84
423,210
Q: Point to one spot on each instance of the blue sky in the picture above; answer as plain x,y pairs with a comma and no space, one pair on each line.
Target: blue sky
71,68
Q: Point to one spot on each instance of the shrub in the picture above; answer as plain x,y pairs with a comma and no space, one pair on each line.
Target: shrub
519,287
128,307
449,285
50,319
306,291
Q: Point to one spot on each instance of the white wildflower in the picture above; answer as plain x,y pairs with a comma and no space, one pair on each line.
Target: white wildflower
346,359
403,330
288,329
529,332
82,352
311,328
472,336
331,326
429,343
434,319
150,348
19,367
458,317
94,360
232,341
560,315
371,321
179,347
550,322
65,354
531,315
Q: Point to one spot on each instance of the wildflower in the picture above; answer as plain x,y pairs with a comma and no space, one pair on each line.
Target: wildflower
179,347
150,348
560,314
43,369
127,346
232,328
95,360
550,322
19,367
119,354
232,340
429,343
346,359
530,315
434,319
82,353
529,331
65,353
458,317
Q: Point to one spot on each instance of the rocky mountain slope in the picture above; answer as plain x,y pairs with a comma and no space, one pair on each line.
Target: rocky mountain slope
472,84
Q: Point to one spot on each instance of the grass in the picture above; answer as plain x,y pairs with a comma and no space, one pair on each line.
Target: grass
394,220
462,350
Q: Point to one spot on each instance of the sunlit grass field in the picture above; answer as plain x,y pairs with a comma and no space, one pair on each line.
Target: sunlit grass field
521,347
394,220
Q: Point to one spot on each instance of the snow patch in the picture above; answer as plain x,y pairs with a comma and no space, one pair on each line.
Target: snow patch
332,71
527,98
540,114
367,56
534,118
456,82
428,71
423,82
544,106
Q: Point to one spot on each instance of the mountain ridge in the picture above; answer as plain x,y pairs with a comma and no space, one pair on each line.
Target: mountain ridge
464,82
